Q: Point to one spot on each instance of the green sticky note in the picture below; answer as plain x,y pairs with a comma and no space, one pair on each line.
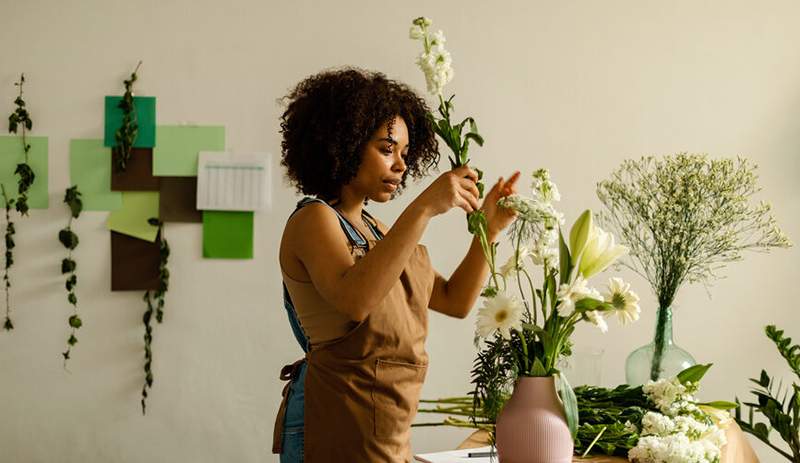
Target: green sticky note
179,145
11,154
131,219
90,169
145,119
228,234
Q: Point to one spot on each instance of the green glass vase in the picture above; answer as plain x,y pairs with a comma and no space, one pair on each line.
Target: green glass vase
662,358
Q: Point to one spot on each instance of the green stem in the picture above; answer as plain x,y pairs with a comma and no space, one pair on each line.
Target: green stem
659,342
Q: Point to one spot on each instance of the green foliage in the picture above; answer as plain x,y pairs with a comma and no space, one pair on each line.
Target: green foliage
155,305
68,238
779,405
125,136
8,325
21,118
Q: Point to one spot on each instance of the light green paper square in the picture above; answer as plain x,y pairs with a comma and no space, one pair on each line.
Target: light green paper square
131,219
11,154
178,147
228,234
145,119
90,169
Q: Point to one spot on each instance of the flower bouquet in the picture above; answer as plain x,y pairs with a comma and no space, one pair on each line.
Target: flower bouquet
524,330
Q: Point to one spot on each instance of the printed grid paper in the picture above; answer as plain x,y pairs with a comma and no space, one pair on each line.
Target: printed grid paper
232,182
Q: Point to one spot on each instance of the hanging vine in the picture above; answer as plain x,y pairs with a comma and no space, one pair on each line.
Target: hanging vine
21,119
8,325
69,239
125,136
155,304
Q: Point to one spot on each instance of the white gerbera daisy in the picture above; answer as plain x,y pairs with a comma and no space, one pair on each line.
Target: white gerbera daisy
625,301
500,313
596,318
568,295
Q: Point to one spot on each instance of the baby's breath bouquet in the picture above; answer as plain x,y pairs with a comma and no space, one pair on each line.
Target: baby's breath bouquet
524,330
683,217
436,63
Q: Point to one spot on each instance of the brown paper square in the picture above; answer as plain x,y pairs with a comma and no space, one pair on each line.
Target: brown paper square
134,263
178,200
138,175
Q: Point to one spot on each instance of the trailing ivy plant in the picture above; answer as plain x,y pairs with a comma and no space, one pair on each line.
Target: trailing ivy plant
21,119
9,261
125,136
779,405
155,305
69,239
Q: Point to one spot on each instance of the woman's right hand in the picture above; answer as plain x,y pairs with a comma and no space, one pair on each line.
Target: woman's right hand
455,188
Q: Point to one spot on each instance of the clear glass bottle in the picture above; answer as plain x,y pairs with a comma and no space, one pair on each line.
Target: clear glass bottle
643,365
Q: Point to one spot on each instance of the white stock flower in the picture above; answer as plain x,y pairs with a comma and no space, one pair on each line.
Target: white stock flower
416,32
515,262
438,40
625,301
500,313
669,395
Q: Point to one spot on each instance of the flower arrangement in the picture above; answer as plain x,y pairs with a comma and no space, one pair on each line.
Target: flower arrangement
683,217
526,335
659,422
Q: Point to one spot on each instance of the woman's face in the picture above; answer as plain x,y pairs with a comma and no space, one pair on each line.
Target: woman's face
382,163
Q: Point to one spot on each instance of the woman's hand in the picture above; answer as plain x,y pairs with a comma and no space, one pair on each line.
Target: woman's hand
455,188
498,218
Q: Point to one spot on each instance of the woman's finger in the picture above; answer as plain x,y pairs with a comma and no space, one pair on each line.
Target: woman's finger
471,186
508,188
465,172
470,198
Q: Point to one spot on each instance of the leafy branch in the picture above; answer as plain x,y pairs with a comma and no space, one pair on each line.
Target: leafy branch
9,261
783,415
69,239
155,304
125,136
20,118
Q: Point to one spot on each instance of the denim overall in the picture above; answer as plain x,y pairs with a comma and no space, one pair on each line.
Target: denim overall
292,438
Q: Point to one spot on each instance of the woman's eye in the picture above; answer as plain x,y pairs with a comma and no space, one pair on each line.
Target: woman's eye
387,150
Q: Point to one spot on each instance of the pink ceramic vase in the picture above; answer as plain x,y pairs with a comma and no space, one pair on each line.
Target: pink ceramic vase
532,428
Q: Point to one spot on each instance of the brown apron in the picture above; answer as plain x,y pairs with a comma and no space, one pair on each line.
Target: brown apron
362,390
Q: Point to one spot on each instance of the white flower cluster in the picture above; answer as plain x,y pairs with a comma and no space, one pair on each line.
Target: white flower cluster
681,433
538,221
434,60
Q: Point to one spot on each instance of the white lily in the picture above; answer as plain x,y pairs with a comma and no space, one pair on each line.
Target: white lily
600,252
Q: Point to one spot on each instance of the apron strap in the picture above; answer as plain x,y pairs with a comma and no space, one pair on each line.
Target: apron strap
288,373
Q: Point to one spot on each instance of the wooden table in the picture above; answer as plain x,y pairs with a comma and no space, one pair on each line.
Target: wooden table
737,450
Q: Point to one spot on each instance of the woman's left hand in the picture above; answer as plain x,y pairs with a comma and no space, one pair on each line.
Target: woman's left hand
497,217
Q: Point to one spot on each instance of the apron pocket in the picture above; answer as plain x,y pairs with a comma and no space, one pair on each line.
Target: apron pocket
396,396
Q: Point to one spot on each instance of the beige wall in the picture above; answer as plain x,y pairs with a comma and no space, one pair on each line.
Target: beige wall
572,86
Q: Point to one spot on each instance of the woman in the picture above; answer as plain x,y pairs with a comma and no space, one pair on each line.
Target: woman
357,292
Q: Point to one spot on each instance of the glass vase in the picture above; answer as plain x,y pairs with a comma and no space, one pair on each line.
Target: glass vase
662,358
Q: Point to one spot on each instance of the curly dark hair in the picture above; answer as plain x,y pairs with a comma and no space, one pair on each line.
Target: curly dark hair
329,118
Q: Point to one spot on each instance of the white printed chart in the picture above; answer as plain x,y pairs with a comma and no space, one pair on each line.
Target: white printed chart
232,182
